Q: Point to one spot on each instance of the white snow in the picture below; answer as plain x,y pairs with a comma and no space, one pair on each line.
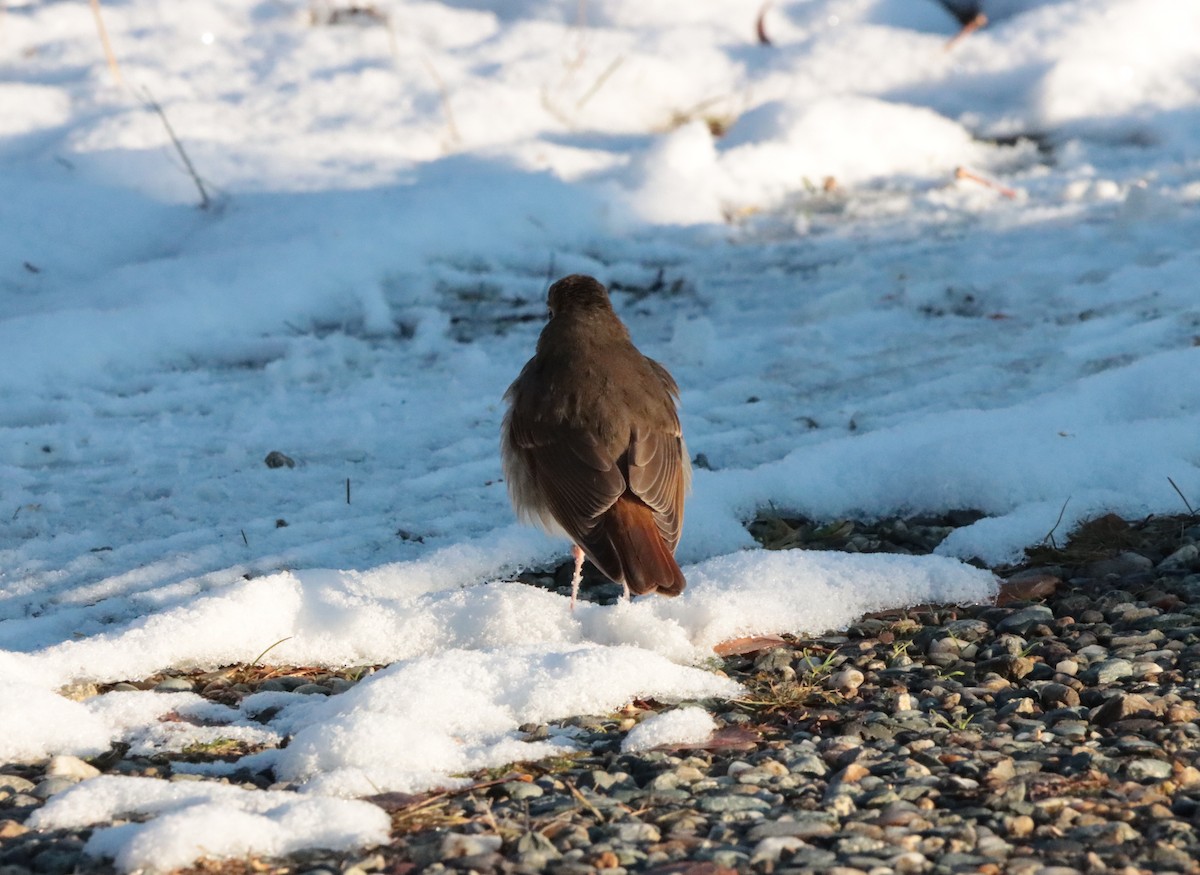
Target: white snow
193,819
687,725
857,331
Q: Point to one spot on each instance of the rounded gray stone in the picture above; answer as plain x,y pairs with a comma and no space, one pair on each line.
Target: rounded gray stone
52,786
312,689
1148,769
1021,621
174,685
1111,670
11,785
521,790
725,802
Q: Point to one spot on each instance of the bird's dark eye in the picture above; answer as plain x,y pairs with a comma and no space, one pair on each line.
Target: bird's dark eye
549,313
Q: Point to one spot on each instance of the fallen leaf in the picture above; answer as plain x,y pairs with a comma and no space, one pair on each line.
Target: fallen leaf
1027,586
750,644
729,738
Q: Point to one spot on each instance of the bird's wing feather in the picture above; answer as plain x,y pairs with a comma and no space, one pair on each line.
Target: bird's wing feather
575,494
655,459
664,376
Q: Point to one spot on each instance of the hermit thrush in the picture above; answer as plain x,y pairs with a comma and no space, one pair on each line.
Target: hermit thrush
591,444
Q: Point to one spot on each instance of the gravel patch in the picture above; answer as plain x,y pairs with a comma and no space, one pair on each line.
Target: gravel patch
1052,733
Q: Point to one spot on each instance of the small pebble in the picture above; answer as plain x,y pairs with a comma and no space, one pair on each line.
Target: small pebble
1146,769
312,689
174,685
52,786
1111,670
70,767
461,845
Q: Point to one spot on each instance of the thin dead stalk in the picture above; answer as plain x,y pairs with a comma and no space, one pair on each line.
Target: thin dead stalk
1049,539
1186,503
582,800
444,94
268,650
109,54
969,27
153,104
1004,190
600,80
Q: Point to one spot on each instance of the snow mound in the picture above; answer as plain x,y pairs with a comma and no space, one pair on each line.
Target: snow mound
688,725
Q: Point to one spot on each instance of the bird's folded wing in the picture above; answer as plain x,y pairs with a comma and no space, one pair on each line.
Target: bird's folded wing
656,476
576,478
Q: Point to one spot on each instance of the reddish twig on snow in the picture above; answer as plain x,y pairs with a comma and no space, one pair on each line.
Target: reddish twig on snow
760,25
969,27
964,173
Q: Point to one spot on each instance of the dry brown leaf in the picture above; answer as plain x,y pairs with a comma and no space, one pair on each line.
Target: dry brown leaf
1027,586
749,644
729,738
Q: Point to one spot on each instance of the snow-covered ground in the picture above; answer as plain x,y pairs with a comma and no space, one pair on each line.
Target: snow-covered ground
857,330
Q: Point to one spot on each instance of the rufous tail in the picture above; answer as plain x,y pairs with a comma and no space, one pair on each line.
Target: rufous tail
647,562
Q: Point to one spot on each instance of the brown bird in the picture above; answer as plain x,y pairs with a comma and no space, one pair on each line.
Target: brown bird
591,444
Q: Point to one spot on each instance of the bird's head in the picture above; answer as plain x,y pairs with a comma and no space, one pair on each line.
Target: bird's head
577,293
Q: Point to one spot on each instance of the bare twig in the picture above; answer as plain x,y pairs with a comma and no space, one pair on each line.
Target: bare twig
964,173
584,802
444,93
600,80
1050,534
347,490
969,27
153,104
1186,503
109,55
488,817
244,540
760,25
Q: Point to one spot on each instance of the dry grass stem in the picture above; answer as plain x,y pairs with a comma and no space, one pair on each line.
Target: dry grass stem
1004,190
109,54
153,104
1179,491
600,80
969,27
444,95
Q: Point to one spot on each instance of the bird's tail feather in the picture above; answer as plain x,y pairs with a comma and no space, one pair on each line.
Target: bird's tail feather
646,561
